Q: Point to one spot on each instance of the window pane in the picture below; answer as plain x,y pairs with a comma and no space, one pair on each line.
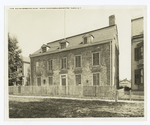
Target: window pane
78,79
96,79
64,63
78,61
50,80
85,40
44,49
96,59
63,81
63,45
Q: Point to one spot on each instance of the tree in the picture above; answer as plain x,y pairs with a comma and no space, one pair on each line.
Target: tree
14,60
28,77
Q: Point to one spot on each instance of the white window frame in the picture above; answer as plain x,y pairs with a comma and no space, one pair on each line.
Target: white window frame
61,63
66,76
75,79
99,58
99,78
75,61
52,81
37,80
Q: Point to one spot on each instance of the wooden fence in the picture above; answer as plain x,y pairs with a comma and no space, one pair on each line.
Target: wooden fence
54,90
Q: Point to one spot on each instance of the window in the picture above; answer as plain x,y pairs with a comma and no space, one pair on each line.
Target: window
138,53
63,80
142,76
63,45
78,79
139,76
96,79
95,58
50,64
50,80
78,61
39,81
63,63
37,66
43,49
85,40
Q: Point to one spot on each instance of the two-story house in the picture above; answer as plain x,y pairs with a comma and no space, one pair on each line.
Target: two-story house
137,54
87,59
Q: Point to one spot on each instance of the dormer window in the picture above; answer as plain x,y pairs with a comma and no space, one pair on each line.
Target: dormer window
63,44
85,40
45,48
88,38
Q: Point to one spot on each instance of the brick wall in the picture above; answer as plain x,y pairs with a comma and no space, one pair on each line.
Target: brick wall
86,70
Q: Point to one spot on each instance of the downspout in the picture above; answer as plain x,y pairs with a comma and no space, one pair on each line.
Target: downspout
110,62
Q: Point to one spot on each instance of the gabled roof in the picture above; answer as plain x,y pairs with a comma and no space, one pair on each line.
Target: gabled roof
101,34
25,59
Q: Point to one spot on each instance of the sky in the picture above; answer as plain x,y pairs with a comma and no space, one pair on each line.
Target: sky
33,28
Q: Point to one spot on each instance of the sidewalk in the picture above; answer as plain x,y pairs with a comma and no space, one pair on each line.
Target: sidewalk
71,98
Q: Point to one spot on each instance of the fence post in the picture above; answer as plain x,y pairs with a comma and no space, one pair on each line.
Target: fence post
116,96
130,94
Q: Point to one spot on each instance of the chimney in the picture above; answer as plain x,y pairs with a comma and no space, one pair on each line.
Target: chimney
111,20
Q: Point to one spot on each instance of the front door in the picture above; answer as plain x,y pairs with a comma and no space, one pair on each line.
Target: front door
64,84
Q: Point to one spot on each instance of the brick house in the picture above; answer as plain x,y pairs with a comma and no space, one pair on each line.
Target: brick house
137,54
87,59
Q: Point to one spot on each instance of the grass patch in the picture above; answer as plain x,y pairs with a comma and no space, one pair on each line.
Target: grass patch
21,107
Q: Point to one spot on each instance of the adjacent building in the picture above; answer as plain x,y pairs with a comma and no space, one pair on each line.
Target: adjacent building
87,59
125,83
137,54
23,72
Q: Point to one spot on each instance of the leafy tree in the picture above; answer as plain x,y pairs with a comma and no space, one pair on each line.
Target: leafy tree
28,77
14,60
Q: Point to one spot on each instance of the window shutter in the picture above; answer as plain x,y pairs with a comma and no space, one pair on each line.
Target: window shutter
51,64
139,75
136,54
64,63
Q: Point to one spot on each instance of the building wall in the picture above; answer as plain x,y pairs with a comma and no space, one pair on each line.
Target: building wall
137,28
25,71
86,70
134,64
